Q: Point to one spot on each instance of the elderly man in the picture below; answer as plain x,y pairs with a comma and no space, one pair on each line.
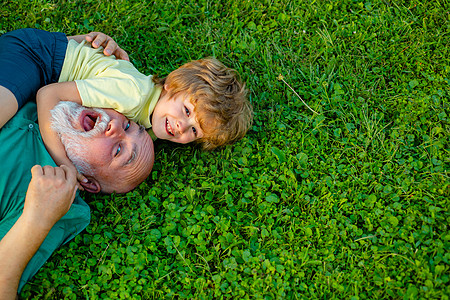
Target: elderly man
33,205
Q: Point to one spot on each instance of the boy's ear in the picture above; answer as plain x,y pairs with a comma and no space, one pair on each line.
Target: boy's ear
92,186
166,87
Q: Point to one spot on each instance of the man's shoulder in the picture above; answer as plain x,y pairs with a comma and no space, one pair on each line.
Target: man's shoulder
25,116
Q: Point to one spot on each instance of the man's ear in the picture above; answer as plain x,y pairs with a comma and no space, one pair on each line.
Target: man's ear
92,186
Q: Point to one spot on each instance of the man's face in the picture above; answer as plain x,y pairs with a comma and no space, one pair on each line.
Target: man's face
118,153
174,119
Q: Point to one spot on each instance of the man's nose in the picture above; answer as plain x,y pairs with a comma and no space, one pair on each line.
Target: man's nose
114,128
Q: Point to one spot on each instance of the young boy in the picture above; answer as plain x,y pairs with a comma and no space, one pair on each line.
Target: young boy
30,59
202,101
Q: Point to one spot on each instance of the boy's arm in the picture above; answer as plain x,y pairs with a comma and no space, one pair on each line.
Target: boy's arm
46,99
100,39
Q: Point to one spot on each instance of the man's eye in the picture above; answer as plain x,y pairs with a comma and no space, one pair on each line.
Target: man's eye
127,126
118,150
187,111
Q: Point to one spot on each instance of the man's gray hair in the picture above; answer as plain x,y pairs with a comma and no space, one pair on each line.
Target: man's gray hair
64,115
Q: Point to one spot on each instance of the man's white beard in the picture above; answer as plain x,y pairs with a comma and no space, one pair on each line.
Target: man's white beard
64,115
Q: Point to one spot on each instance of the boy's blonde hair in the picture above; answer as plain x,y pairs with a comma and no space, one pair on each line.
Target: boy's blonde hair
219,98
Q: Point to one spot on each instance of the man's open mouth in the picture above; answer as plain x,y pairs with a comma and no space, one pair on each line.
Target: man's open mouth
169,128
88,119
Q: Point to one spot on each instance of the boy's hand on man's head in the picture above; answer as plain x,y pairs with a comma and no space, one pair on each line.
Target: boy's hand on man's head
110,46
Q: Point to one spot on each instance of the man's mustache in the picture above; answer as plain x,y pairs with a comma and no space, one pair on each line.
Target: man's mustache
66,116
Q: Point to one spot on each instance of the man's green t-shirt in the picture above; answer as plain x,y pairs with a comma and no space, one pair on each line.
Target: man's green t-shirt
21,147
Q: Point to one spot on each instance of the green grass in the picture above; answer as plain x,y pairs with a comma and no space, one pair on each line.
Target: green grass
350,203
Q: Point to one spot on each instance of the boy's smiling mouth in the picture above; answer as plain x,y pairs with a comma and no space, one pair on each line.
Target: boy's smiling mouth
169,128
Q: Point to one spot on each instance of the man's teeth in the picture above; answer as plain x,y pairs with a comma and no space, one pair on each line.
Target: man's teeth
169,129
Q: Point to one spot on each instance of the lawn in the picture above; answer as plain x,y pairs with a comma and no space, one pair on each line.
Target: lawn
345,199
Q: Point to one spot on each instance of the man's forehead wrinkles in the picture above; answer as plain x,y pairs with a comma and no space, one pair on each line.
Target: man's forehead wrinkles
134,169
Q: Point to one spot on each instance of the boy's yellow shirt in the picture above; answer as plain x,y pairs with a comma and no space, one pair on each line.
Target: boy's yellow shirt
108,82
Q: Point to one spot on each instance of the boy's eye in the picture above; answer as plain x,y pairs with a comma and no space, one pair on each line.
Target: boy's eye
194,130
187,111
118,150
127,126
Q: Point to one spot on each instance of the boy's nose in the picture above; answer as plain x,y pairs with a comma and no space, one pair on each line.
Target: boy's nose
182,126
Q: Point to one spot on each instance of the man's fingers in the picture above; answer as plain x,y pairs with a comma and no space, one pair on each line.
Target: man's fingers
100,39
110,46
73,196
48,170
36,171
71,177
89,37
70,173
121,54
80,187
81,177
60,173
97,38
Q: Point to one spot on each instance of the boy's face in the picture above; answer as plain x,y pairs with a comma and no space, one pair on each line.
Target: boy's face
174,119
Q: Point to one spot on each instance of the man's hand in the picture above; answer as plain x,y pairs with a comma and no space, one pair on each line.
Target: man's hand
110,46
50,194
